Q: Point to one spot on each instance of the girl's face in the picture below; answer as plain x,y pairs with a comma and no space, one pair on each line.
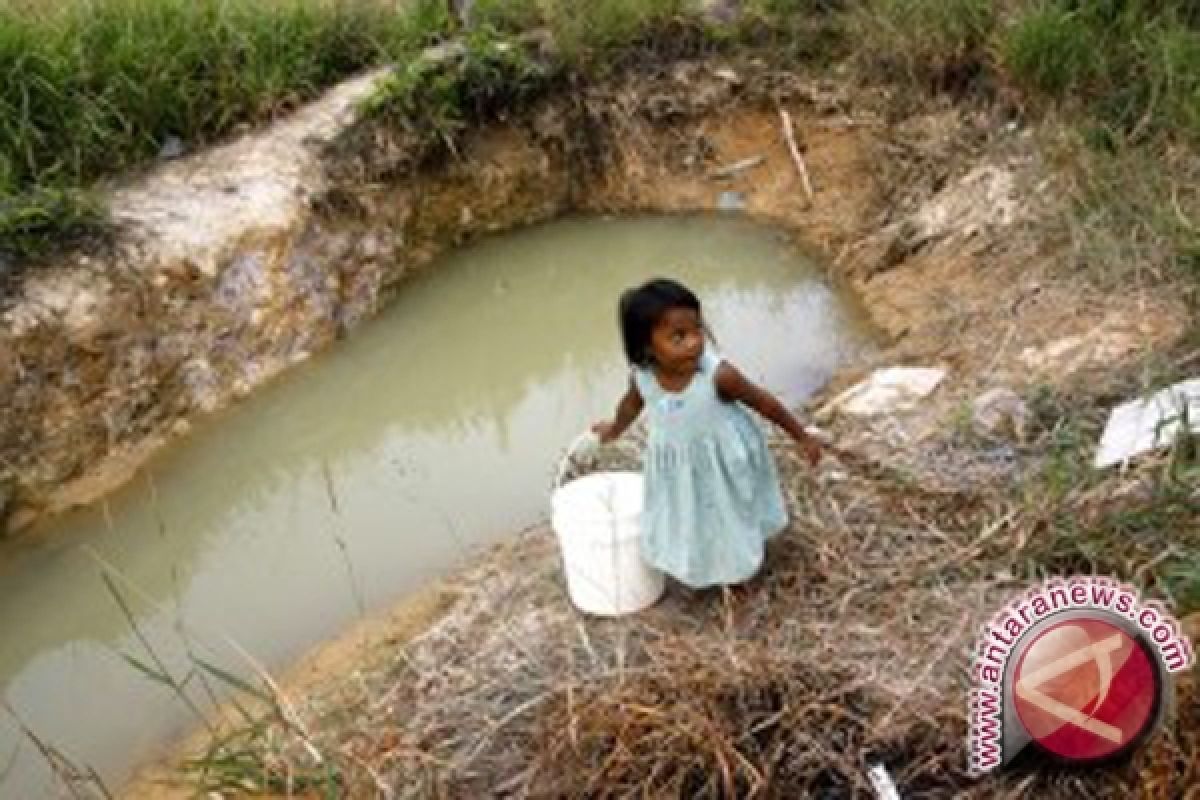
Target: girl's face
677,341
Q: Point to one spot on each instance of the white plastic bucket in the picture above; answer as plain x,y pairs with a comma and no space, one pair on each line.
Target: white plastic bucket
597,521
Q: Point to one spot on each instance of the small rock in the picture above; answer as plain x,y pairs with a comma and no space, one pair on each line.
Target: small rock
181,427
1000,412
368,248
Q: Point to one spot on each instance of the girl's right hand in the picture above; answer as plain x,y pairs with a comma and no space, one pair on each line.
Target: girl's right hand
812,443
811,447
604,430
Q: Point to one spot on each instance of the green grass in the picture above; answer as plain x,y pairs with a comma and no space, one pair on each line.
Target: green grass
95,88
1123,76
791,32
938,43
439,101
1136,206
27,218
92,89
1051,49
590,34
508,16
1133,65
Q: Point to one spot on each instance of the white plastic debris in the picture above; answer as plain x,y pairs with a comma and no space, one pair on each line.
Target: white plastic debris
881,781
731,201
887,390
1149,423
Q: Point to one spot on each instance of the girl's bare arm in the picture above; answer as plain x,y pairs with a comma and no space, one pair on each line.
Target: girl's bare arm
733,386
627,411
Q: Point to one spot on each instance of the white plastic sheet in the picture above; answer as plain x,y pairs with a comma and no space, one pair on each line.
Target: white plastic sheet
1149,423
888,390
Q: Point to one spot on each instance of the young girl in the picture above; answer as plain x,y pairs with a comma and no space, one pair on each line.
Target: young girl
711,493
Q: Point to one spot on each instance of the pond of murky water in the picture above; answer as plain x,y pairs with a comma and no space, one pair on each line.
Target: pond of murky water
365,474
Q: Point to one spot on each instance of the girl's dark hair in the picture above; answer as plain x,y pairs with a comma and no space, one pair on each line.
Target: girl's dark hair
641,309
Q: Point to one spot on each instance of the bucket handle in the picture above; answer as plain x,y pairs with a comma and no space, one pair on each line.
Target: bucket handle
587,440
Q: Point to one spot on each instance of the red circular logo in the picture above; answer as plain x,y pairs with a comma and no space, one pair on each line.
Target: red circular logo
1084,689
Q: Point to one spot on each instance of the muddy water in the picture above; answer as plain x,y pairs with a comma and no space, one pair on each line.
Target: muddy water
365,474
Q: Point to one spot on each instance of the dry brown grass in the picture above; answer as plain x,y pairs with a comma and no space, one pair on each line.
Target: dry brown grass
850,648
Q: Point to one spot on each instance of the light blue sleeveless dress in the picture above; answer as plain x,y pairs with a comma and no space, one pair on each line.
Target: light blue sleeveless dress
712,495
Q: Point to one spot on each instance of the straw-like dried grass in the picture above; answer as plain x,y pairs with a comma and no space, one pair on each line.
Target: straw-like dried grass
850,648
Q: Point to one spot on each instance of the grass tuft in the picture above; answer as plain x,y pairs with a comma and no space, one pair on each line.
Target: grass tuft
438,99
1051,50
936,43
590,33
1134,66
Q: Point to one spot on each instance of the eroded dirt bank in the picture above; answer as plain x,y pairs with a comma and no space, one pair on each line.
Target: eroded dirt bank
237,263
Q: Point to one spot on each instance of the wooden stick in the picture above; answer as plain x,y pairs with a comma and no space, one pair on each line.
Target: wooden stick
740,166
797,159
